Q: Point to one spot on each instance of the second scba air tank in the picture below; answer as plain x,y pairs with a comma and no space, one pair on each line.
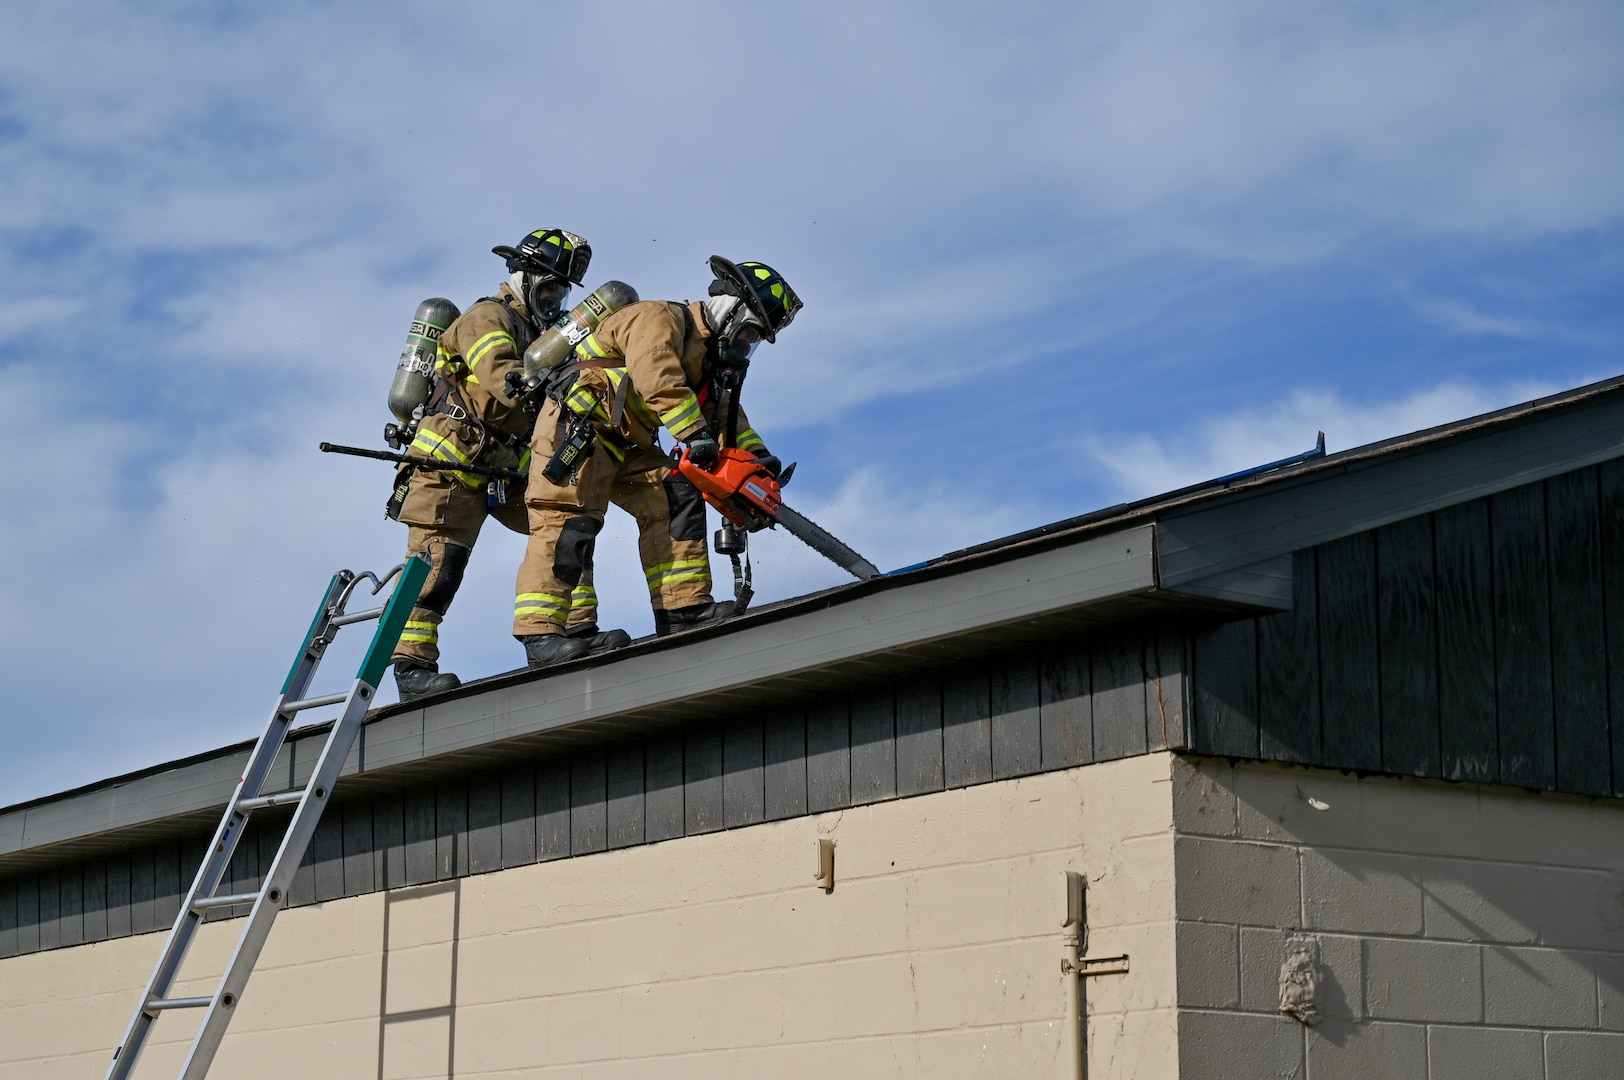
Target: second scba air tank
558,343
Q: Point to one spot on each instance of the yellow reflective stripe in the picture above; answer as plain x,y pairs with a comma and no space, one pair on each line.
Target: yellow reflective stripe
489,342
667,569
682,416
540,601
581,402
591,348
692,575
583,594
749,440
524,460
439,447
424,632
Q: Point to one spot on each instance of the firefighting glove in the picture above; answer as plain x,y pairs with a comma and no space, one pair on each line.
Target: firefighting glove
770,462
702,449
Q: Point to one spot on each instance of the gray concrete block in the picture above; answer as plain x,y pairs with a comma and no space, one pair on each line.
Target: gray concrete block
1342,1050
1538,988
1362,892
1581,909
1551,830
1610,992
1480,1053
1341,963
1208,965
1203,796
1235,882
1574,1055
1238,1046
1296,805
1478,901
1423,817
1430,981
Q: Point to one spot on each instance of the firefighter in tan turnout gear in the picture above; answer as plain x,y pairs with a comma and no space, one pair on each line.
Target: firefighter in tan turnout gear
649,365
469,419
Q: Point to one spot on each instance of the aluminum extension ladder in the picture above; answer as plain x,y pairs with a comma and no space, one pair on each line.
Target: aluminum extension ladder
246,798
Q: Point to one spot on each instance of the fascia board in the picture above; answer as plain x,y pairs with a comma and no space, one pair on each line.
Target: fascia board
1249,527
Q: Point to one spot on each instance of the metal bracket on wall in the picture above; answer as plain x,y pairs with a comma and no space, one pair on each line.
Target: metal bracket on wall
1096,965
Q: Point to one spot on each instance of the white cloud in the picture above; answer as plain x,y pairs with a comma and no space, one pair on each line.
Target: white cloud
1142,465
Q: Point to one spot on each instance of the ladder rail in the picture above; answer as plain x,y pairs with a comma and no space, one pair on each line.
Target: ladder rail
245,798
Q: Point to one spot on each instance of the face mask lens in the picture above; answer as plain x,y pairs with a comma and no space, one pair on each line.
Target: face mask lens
547,299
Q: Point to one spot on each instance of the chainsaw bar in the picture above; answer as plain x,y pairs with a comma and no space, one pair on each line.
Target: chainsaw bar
824,543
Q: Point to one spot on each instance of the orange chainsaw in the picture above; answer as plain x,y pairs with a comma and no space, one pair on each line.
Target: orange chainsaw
749,498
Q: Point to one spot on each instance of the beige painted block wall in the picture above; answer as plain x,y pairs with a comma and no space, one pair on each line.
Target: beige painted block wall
1463,930
937,954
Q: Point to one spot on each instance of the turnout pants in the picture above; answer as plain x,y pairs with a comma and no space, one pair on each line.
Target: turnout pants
554,590
444,517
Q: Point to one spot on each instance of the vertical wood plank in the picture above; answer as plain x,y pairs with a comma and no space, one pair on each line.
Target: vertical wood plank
744,791
553,808
8,917
389,834
95,872
702,780
418,835
625,806
50,909
72,909
589,809
1407,631
27,914
1167,695
519,815
272,828
1288,667
302,890
451,829
1017,732
363,859
1578,634
1226,714
663,798
1117,673
874,745
1064,709
966,727
1350,686
919,735
828,754
171,886
1610,476
242,873
784,762
485,822
1522,638
1467,732
328,846
143,891
118,895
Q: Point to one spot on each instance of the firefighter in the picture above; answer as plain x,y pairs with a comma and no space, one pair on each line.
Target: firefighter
649,365
469,419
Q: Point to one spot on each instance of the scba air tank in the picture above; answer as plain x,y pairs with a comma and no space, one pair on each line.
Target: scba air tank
558,343
414,375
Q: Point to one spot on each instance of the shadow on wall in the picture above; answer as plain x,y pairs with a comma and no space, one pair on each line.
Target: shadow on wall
417,1006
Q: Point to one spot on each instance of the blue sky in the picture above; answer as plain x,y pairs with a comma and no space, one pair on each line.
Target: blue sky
1054,255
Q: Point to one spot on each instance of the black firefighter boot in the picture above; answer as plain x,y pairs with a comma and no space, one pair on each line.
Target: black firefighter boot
670,622
543,650
415,679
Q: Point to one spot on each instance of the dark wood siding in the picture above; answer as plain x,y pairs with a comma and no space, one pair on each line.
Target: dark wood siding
1479,642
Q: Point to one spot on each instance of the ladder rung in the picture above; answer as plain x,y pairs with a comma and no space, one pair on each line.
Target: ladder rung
204,903
160,1004
315,702
281,798
359,616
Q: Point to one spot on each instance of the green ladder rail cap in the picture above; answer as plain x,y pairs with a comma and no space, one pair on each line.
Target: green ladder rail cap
393,621
321,609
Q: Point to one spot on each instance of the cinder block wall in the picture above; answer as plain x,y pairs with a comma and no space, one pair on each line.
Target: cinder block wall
1461,930
937,954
